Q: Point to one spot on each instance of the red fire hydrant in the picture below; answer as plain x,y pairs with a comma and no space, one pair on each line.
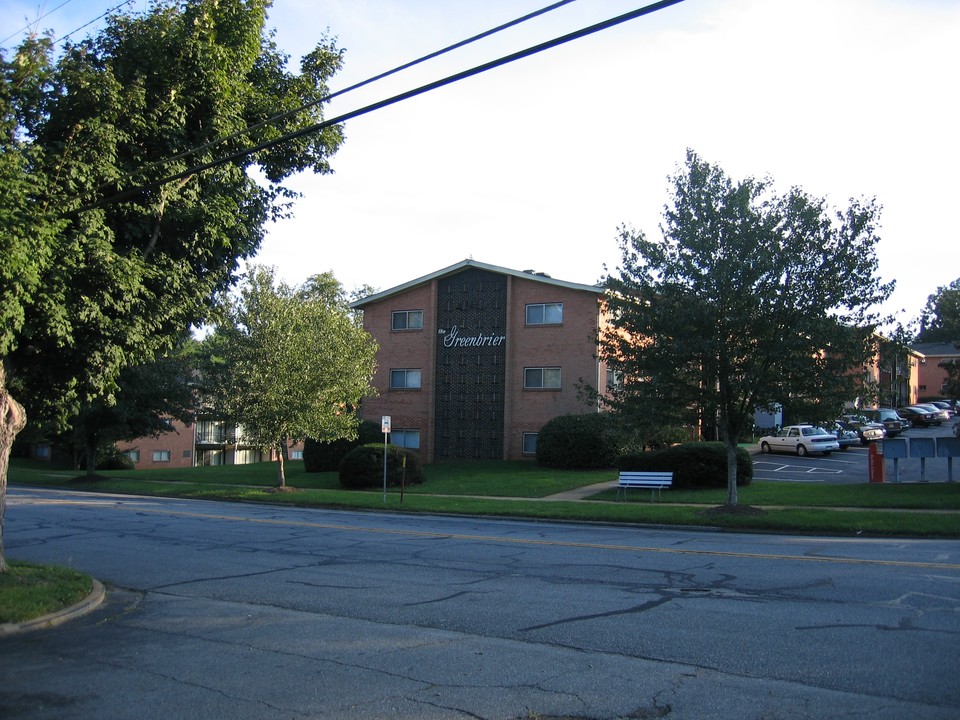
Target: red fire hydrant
875,467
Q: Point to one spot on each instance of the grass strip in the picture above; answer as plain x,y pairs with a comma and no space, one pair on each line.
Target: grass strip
505,489
30,591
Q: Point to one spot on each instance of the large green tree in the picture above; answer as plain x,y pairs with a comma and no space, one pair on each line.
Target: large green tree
128,196
750,298
149,396
940,319
287,363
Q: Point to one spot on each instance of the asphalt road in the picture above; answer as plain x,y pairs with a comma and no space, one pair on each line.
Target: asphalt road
218,610
850,466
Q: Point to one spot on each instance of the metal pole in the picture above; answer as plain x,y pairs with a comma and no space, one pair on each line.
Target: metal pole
386,427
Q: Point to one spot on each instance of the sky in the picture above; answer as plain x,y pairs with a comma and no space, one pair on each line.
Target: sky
536,164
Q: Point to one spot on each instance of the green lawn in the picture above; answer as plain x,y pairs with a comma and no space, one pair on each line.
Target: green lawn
516,489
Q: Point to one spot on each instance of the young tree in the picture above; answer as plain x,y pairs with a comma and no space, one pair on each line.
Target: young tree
129,196
288,363
940,319
750,298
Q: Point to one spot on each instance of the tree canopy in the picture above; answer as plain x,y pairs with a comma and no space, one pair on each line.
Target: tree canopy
288,363
940,319
750,298
129,198
149,396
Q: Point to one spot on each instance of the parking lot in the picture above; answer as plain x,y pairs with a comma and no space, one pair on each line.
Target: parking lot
850,466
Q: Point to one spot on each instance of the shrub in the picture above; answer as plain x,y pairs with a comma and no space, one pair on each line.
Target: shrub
694,464
362,467
113,459
327,456
589,441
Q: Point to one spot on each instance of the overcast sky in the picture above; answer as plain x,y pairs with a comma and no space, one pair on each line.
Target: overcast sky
534,165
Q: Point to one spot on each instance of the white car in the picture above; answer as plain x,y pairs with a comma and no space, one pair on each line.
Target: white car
800,439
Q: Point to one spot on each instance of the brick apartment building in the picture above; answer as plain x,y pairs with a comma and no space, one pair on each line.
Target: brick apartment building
208,441
932,376
474,359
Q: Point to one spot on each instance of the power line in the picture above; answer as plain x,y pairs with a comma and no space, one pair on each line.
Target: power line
72,32
35,22
105,13
456,77
326,98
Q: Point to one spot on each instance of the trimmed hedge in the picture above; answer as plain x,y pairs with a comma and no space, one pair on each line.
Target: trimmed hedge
580,442
694,464
327,456
362,467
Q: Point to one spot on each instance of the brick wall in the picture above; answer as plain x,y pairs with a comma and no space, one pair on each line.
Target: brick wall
176,446
472,352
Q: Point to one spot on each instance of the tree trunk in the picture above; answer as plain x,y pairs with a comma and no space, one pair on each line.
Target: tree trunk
731,445
12,421
91,457
281,471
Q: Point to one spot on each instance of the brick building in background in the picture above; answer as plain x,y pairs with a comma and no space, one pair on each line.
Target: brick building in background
932,376
474,359
208,441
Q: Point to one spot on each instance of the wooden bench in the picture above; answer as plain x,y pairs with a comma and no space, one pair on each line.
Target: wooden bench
655,481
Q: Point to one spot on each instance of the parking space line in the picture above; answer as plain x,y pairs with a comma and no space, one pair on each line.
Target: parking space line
791,479
799,469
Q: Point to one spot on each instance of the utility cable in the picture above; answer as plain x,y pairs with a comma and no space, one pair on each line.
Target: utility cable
72,32
327,98
456,77
35,22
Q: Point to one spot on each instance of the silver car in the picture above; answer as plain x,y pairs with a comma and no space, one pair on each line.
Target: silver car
942,415
800,439
867,430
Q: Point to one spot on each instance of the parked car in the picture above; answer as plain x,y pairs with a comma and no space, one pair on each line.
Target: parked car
801,439
920,417
866,430
941,414
845,436
892,423
945,406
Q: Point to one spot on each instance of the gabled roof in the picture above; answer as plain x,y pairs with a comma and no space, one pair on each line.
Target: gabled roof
937,349
470,263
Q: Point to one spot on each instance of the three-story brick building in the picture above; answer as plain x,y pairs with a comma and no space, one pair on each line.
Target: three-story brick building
474,359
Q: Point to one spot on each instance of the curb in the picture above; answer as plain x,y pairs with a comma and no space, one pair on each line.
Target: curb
88,604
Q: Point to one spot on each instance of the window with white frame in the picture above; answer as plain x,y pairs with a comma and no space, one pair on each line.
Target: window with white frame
408,378
405,438
530,443
296,454
134,455
407,320
544,313
161,456
541,378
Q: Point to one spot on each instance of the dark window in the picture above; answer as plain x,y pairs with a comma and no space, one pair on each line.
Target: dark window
405,378
539,378
545,314
407,320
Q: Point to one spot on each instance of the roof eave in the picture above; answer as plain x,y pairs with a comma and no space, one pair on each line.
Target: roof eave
470,263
